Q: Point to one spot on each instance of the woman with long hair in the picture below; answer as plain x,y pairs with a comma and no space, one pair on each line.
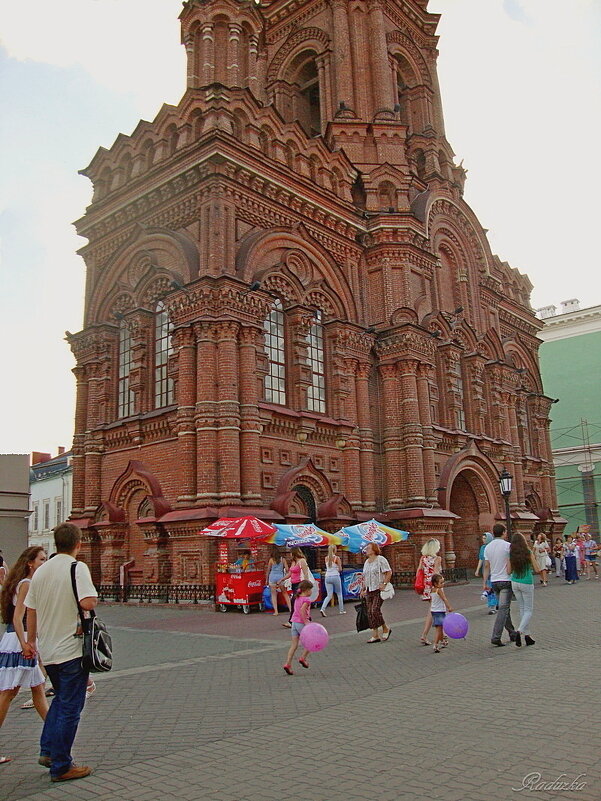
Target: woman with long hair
274,575
15,670
332,581
297,572
521,568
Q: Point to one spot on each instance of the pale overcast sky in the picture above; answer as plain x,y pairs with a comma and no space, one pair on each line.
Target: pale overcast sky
520,80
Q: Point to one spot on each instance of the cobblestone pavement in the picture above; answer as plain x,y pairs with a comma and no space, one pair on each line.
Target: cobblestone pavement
198,707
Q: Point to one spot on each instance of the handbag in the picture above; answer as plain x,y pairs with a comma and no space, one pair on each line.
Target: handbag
548,562
420,581
362,621
97,654
387,593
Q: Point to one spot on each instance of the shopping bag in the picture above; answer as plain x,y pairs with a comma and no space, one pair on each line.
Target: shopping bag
362,622
420,582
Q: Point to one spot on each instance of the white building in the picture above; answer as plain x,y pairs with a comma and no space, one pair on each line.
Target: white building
50,486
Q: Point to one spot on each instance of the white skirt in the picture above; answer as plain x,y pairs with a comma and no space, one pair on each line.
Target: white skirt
15,670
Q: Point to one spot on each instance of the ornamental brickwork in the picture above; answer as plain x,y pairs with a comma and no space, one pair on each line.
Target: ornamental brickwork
290,310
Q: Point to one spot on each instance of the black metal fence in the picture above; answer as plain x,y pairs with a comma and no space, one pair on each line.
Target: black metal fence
157,593
195,593
406,578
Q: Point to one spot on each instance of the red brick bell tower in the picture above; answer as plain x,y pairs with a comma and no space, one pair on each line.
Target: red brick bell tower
290,309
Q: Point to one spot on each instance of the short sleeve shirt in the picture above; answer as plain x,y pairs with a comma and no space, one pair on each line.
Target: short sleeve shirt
51,595
496,554
374,571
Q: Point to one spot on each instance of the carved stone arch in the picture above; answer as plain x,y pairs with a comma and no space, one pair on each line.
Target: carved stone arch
304,474
494,341
305,39
155,290
120,303
280,285
135,477
436,322
260,250
470,458
319,299
173,252
107,512
400,43
463,221
524,359
466,335
403,314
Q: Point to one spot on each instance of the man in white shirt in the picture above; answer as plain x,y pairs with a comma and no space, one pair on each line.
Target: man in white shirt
53,616
496,556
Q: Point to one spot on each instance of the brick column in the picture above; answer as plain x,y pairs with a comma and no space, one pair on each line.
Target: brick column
412,433
233,54
79,469
205,413
366,435
424,374
250,424
228,414
253,46
208,53
518,474
191,75
93,467
351,452
378,53
342,54
391,438
184,345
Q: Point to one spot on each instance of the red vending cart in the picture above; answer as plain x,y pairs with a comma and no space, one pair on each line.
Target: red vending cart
240,589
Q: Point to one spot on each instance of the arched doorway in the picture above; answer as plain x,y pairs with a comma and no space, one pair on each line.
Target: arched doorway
304,504
470,501
135,544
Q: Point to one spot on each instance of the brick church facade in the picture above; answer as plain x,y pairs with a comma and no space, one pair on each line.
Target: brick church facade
291,311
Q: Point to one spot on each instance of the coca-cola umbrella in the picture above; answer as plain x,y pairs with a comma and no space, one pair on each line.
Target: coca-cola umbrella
356,538
239,528
301,535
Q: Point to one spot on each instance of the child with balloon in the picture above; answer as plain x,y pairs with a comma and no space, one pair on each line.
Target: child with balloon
439,606
300,618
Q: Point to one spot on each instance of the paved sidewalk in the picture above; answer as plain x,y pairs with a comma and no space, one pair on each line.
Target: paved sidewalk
198,708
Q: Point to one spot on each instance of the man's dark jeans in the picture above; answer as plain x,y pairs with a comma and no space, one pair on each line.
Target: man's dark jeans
69,681
503,619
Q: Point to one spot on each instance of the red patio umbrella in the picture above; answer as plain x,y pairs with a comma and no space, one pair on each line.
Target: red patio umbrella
239,528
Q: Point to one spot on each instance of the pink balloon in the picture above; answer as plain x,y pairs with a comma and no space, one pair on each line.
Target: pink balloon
455,626
314,637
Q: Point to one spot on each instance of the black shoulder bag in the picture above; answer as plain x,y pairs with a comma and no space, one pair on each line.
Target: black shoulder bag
97,656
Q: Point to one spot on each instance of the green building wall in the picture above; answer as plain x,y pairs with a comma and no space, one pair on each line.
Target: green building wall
571,371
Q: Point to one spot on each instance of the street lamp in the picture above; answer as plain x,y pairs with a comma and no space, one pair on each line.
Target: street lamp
505,485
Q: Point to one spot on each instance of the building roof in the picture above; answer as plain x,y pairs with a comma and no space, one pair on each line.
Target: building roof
52,468
571,324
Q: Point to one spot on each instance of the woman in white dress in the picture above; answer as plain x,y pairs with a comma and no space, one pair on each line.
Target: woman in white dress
15,670
542,555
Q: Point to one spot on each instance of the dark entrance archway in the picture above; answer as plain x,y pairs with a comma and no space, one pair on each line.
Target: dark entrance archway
470,501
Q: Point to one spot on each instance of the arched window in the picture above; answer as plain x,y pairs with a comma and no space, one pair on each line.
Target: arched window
456,382
275,348
316,392
163,385
306,77
126,398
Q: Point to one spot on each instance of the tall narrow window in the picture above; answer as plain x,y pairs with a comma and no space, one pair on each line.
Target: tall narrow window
275,380
126,398
316,392
163,385
46,514
58,517
457,385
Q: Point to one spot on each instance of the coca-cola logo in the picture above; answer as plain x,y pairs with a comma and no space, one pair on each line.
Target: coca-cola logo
254,583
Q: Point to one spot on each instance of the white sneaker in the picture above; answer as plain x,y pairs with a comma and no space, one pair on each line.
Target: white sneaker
91,689
343,611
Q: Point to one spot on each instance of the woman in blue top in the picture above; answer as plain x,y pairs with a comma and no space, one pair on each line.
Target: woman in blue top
521,567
